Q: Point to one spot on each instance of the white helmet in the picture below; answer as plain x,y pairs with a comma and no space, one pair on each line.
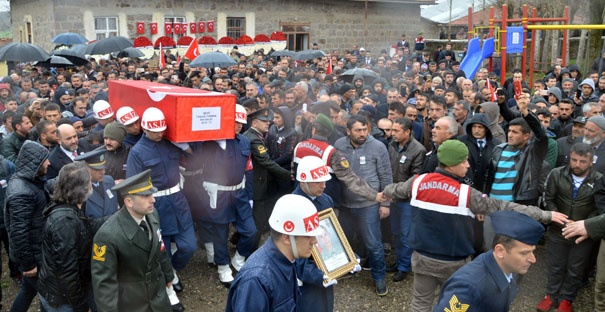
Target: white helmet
153,120
126,115
240,114
102,110
295,215
312,169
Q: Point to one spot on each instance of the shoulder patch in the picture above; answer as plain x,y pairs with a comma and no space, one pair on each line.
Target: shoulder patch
456,306
262,149
344,162
99,252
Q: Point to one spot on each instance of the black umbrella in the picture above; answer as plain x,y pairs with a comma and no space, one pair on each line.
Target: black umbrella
212,59
69,38
368,75
283,53
131,52
108,45
308,55
55,61
22,52
76,58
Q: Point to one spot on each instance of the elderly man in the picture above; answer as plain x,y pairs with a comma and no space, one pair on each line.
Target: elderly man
594,134
439,200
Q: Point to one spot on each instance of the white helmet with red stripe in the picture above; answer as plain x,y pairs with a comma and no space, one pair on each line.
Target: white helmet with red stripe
153,120
240,114
295,215
102,110
126,115
312,169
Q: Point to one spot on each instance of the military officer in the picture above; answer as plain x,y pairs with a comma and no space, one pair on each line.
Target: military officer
215,188
162,157
488,282
130,266
265,170
102,202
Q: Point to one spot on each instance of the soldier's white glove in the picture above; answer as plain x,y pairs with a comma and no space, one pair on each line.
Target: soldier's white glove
329,282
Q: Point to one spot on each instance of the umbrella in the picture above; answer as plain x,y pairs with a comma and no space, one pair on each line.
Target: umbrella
308,55
55,61
108,45
368,75
79,48
283,53
22,52
76,58
212,59
69,38
131,52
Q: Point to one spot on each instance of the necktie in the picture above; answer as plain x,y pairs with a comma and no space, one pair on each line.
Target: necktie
480,142
74,154
143,225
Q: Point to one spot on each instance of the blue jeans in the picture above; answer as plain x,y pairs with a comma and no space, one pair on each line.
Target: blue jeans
49,308
26,295
218,234
366,223
401,221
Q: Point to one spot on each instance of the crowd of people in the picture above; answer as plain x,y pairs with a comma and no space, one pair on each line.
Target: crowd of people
102,212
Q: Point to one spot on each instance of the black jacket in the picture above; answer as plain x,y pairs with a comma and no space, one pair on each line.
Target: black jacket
64,273
478,160
25,201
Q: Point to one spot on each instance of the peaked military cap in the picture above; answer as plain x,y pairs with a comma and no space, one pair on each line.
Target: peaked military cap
262,114
95,159
139,184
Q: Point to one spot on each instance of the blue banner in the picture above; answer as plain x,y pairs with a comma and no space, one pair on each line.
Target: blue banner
514,40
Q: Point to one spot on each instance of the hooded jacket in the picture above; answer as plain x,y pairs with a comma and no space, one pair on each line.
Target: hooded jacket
492,111
478,160
25,202
281,142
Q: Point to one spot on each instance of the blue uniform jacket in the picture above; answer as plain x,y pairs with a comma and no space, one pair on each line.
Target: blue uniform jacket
478,286
224,167
314,296
98,205
163,160
267,282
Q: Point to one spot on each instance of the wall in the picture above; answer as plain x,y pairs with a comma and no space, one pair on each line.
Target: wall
334,24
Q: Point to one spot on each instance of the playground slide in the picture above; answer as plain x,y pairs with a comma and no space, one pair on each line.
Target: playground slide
475,56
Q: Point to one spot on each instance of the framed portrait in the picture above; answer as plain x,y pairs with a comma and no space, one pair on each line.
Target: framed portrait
332,253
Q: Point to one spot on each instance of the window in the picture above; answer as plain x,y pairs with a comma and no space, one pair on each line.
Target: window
28,32
236,27
174,20
106,27
297,36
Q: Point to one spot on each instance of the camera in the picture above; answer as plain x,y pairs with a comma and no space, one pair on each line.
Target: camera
500,92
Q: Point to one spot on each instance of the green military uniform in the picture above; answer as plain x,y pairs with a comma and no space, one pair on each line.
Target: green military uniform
265,171
129,270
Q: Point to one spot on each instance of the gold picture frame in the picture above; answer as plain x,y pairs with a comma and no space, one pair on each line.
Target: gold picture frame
332,253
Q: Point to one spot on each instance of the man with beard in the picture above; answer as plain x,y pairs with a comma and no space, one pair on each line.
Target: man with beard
65,152
569,190
117,151
594,134
11,145
564,144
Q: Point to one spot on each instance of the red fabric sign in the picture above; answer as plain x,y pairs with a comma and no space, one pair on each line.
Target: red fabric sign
210,26
154,28
140,27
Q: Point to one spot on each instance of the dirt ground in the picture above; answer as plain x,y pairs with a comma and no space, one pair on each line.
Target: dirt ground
204,293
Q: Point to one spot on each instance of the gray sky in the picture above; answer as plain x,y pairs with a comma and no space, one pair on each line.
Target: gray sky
4,5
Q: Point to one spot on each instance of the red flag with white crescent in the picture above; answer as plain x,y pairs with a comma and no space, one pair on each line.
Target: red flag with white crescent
140,27
154,28
177,28
168,28
210,26
193,50
184,27
329,69
201,28
192,28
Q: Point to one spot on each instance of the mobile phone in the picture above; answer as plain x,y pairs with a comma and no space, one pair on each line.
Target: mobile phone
500,92
578,93
304,108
